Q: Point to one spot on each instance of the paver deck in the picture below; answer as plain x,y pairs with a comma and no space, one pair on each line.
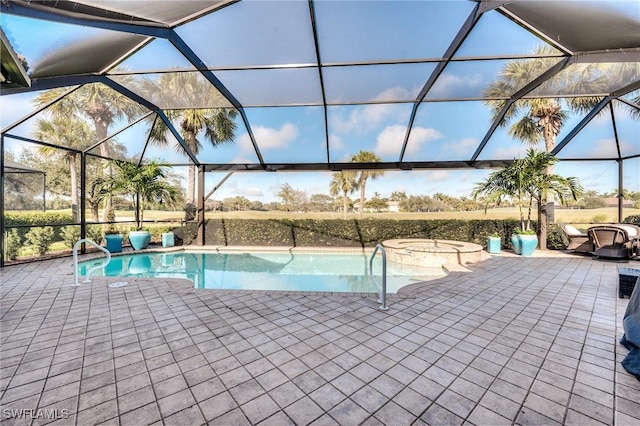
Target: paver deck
515,340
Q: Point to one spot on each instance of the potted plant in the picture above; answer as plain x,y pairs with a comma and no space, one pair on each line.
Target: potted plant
113,240
494,243
527,183
144,183
524,242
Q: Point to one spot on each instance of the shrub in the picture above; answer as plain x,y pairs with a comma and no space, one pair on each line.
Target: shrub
94,233
70,235
40,238
600,218
556,239
13,244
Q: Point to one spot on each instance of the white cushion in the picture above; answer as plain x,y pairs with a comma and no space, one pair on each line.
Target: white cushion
632,232
572,230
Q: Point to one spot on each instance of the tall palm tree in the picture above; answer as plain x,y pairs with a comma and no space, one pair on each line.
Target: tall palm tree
218,124
363,175
540,120
344,183
144,183
71,133
99,104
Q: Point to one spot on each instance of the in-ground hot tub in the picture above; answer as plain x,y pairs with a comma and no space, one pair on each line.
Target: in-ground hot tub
433,253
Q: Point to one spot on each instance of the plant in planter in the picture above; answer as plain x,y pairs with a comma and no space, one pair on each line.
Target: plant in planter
113,240
527,183
144,183
494,243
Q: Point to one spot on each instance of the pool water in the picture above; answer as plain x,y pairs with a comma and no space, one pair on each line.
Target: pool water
335,272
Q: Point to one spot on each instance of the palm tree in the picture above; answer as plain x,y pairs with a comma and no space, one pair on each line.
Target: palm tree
144,183
70,133
534,120
218,124
541,119
526,181
363,175
344,183
99,104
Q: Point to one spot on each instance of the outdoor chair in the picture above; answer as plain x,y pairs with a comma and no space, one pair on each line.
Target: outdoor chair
618,241
579,241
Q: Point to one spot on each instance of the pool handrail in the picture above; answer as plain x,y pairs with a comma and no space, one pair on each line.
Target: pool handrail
90,270
383,290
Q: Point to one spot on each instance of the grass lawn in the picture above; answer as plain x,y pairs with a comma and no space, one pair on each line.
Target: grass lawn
576,216
602,215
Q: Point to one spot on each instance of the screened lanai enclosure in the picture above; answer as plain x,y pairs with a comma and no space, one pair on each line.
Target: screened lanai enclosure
442,92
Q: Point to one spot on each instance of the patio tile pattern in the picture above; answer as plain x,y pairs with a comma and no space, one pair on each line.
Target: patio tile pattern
513,341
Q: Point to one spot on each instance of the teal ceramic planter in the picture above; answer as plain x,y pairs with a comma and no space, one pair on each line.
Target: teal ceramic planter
139,239
168,239
494,244
113,243
524,245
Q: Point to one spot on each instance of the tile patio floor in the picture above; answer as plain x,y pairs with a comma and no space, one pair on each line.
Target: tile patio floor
516,340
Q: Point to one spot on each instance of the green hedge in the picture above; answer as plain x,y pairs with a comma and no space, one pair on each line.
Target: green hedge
350,233
54,219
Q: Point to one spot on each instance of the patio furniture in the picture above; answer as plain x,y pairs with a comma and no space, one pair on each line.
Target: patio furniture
627,280
618,241
579,241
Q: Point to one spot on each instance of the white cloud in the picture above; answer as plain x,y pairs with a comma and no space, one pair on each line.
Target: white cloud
267,138
366,118
335,142
448,84
394,93
438,175
253,191
463,146
389,141
509,152
363,119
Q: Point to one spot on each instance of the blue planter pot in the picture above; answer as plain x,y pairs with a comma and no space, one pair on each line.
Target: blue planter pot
493,244
524,245
516,244
113,243
139,239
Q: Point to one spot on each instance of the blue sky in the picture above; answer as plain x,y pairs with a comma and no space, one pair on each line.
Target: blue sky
385,31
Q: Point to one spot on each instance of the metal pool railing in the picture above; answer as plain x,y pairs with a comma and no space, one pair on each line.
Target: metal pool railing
383,289
90,270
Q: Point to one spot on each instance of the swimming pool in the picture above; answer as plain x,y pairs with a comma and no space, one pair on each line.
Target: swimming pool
335,272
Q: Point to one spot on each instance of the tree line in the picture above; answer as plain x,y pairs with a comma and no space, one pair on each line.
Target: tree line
298,201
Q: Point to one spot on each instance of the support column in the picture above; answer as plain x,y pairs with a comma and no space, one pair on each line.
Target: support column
620,190
83,199
200,206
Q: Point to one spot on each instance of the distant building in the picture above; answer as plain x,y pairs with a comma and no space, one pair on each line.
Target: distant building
613,202
394,206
